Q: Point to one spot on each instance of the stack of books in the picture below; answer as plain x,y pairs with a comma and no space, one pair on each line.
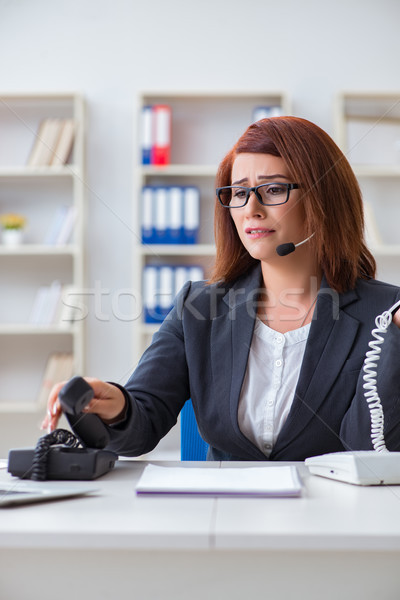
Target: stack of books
62,226
54,304
53,143
161,283
170,214
156,134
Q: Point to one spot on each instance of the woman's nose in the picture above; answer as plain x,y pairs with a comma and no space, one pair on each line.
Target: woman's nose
253,206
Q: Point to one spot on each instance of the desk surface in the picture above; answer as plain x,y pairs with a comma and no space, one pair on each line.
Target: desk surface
329,516
337,541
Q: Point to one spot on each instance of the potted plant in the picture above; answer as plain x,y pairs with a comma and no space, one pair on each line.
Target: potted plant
13,228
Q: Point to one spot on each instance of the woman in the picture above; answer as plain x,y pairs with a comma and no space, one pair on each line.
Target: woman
271,349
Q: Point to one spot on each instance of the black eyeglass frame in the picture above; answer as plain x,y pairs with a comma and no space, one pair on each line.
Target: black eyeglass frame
289,187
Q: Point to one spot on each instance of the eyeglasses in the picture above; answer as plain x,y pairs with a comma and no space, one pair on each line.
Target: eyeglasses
268,194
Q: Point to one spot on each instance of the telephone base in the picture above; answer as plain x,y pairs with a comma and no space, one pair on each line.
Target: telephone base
63,463
362,467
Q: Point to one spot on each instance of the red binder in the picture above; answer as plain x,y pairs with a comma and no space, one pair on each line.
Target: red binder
161,151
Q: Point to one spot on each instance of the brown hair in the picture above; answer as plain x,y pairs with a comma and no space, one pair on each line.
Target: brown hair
331,196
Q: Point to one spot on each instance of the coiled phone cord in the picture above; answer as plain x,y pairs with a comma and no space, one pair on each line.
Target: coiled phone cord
56,437
382,323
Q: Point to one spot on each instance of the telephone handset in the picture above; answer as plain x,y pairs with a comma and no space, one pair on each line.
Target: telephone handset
65,455
90,429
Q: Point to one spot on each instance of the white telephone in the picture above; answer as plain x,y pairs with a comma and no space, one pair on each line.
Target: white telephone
365,467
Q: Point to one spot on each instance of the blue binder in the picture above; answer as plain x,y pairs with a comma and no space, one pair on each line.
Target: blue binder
147,134
150,285
191,216
175,215
160,204
147,215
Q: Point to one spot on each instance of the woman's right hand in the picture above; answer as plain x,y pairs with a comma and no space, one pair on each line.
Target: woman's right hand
108,403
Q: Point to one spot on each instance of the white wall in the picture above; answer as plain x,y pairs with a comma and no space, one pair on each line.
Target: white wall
110,49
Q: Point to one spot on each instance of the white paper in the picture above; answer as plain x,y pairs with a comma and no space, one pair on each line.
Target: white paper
242,481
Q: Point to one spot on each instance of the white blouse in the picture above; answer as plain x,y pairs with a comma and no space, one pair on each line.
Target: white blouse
270,381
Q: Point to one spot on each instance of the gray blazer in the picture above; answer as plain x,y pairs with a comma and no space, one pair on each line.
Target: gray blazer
201,352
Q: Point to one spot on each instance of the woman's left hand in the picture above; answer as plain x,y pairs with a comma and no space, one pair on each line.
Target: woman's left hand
396,318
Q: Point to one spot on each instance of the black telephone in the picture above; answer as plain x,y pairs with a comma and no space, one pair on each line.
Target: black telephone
61,454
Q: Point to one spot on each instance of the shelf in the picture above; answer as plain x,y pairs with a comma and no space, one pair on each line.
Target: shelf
176,250
368,131
35,274
376,170
39,250
184,170
20,408
370,106
31,330
41,98
228,95
25,171
386,250
367,127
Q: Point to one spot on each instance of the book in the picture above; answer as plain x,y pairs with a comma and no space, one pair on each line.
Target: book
161,145
67,226
161,283
146,134
48,316
59,367
34,155
65,143
271,481
182,274
56,225
191,214
170,214
195,273
161,209
175,215
38,307
150,286
148,232
45,306
165,291
69,309
45,143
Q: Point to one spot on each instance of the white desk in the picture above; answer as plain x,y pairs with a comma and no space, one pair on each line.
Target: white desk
337,541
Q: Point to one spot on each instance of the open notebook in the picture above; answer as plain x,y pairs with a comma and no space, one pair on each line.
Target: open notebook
241,481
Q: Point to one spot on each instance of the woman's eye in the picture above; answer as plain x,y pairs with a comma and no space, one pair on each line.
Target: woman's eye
275,190
239,194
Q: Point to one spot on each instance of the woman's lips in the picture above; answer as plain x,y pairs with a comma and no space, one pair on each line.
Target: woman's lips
258,232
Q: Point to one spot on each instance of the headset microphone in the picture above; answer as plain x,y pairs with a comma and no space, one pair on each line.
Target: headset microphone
285,249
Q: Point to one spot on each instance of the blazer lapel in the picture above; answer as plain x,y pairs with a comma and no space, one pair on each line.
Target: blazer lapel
330,340
231,339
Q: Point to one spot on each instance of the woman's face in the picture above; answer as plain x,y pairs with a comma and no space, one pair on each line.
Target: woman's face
263,228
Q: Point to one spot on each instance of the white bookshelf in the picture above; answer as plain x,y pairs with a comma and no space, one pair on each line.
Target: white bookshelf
204,128
37,192
367,129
